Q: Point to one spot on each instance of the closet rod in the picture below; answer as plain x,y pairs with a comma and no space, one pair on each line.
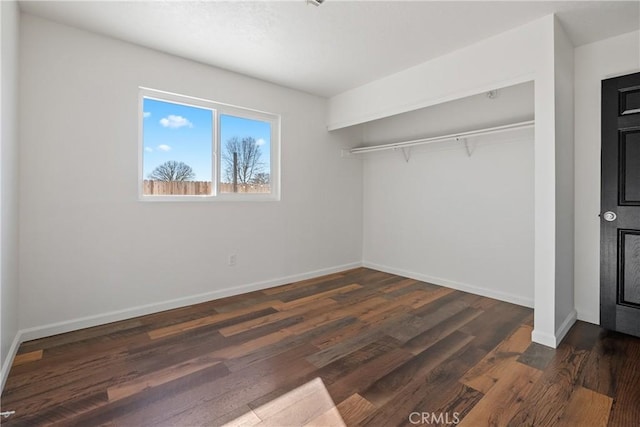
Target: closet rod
468,134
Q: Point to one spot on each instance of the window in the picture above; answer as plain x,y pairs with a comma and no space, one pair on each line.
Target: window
194,149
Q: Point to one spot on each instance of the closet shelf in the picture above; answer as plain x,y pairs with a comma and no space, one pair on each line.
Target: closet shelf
405,145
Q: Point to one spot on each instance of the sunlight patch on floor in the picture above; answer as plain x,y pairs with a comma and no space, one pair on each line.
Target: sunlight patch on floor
307,405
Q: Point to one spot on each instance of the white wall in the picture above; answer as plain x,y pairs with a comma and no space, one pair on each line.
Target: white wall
565,313
593,63
91,252
512,57
446,218
9,184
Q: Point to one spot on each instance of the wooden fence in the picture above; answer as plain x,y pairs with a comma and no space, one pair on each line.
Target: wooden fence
197,188
227,187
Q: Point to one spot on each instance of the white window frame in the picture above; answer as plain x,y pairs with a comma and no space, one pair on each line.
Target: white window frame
218,109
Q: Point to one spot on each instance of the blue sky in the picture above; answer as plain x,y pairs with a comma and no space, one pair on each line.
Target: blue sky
184,133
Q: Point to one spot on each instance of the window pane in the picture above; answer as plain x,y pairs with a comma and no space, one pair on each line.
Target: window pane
245,164
177,149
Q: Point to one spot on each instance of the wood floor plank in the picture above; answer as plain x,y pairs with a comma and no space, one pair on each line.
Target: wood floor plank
626,411
486,373
428,297
390,385
354,409
586,407
77,378
582,336
242,301
354,310
408,301
330,354
400,284
323,287
459,400
298,407
331,418
60,413
605,363
454,302
164,376
426,339
378,346
410,327
207,320
103,412
303,283
363,376
502,401
547,400
242,349
335,370
83,335
247,419
496,324
258,354
289,399
316,297
425,393
333,337
320,306
414,326
23,358
425,320
537,356
211,400
251,346
151,345
230,400
385,318
417,286
359,295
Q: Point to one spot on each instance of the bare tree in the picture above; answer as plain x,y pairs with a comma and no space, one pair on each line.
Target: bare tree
172,171
247,153
261,178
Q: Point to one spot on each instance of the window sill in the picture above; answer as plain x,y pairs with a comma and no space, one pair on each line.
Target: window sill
213,199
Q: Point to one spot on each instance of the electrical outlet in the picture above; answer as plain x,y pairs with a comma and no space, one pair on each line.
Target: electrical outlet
233,259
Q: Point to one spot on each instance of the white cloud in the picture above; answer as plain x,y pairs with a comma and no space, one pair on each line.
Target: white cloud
146,114
148,149
163,147
175,122
260,142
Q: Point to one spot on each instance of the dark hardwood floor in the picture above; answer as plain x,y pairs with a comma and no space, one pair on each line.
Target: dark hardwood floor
355,348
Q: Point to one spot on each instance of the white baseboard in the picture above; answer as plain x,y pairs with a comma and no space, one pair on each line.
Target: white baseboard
565,326
588,316
8,361
490,293
142,310
544,338
128,313
554,340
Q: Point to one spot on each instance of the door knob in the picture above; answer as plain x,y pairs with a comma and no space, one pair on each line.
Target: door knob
609,216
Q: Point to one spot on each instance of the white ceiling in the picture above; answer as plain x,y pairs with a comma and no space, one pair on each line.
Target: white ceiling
328,49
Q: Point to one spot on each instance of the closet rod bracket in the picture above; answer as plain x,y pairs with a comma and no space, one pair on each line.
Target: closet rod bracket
406,152
466,145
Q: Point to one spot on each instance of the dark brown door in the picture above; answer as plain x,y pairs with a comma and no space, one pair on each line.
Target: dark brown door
620,204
